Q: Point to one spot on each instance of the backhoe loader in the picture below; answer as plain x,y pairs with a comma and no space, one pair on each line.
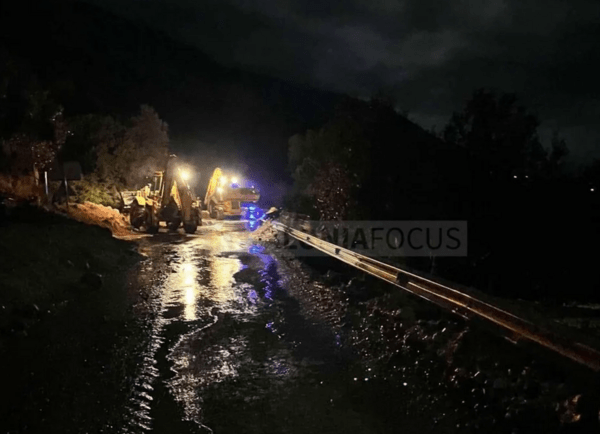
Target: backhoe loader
225,197
168,198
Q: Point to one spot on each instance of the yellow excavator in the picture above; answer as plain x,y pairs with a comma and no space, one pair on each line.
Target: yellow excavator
168,198
224,196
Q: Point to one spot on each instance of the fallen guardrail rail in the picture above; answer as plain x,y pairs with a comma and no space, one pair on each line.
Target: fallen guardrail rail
452,299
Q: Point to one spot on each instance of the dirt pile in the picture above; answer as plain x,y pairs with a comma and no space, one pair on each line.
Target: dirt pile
100,215
265,233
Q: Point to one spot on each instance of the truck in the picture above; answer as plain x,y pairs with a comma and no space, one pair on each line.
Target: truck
225,196
167,198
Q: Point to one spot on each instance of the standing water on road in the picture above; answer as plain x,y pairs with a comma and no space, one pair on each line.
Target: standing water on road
230,351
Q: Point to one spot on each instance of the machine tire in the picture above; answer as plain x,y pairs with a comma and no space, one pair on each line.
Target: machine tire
220,214
137,215
152,224
197,215
174,225
190,228
212,211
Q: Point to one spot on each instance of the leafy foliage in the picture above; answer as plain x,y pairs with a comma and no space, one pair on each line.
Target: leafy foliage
369,162
28,150
32,125
127,156
499,135
89,132
92,190
35,134
321,163
332,191
119,154
491,170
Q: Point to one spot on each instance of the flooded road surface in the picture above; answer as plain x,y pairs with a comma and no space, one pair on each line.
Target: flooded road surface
230,352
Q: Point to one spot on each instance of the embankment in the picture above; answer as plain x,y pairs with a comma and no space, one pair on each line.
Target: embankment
66,340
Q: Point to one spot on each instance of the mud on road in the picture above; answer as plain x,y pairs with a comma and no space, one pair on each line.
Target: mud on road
245,338
230,350
226,335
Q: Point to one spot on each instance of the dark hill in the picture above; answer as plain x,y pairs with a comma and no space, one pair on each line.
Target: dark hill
95,61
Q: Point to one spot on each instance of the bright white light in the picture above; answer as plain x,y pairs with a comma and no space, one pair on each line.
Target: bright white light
591,189
224,180
220,189
515,176
185,175
234,180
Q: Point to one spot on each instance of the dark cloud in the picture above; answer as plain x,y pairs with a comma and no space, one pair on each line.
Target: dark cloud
430,55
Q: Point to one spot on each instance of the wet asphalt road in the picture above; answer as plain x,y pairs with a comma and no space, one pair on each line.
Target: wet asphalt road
228,338
230,352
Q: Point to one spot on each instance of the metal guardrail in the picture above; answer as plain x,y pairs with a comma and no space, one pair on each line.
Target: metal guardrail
451,299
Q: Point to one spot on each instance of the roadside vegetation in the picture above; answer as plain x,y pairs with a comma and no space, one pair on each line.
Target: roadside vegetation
37,136
527,215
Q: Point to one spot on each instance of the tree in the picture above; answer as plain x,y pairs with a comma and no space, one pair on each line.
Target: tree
326,168
391,167
107,135
116,155
32,125
40,134
127,156
88,133
332,191
500,136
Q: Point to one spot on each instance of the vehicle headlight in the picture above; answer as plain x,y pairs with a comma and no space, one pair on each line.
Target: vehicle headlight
185,174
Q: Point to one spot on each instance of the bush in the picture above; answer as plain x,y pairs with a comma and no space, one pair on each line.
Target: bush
20,187
102,193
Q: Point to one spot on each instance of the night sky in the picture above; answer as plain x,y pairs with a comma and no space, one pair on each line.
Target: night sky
429,55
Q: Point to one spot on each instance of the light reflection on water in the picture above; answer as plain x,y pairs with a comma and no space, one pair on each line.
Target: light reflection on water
185,288
197,360
222,317
221,290
197,368
190,289
222,352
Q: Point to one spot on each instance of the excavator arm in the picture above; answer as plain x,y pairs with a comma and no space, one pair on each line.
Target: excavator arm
213,184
